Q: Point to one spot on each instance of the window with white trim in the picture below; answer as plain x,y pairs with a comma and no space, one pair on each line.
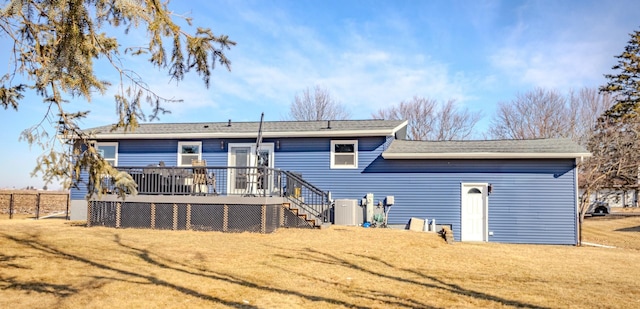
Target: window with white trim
188,151
344,154
108,151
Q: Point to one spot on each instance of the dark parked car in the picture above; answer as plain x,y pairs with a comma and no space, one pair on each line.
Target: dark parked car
599,208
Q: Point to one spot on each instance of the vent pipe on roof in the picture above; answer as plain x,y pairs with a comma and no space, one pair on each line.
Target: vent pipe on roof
229,124
328,124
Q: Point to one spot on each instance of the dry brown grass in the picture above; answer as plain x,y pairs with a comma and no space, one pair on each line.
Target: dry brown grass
625,209
55,263
612,230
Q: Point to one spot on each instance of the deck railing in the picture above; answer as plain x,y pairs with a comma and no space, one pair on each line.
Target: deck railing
229,181
205,180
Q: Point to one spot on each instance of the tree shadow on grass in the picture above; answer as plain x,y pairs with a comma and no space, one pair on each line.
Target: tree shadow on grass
629,229
174,265
454,288
59,290
375,268
387,298
134,277
316,256
34,243
7,261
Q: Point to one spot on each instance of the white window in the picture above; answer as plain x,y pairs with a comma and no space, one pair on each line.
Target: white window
344,154
188,151
108,151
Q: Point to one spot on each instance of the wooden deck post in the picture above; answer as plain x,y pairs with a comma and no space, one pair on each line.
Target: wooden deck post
225,218
89,212
153,216
263,219
188,227
283,209
118,214
175,216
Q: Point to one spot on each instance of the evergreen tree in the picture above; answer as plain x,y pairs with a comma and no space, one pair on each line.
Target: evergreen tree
625,85
614,141
617,133
55,44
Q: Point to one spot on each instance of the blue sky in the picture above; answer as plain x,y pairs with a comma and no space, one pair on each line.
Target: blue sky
369,55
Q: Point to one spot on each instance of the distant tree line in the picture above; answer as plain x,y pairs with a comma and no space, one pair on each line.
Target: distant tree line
538,113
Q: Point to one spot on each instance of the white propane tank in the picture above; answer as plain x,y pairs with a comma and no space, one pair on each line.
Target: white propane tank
433,225
426,225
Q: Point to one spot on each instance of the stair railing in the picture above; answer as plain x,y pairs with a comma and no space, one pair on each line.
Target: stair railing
306,196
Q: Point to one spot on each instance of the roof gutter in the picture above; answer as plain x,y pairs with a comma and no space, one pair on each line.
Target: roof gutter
484,155
327,133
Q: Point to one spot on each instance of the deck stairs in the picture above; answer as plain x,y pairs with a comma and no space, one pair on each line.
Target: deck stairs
307,202
305,216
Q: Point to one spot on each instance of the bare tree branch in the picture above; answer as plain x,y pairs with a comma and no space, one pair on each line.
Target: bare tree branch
429,120
316,105
539,113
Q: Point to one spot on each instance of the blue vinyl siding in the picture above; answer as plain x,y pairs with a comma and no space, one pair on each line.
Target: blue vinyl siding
533,201
145,152
79,193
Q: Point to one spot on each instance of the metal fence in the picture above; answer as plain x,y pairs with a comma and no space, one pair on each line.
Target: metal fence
36,203
198,217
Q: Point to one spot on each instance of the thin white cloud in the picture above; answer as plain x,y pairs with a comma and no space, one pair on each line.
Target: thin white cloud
554,65
567,47
364,73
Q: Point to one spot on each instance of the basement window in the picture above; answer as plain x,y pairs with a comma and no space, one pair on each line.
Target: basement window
189,151
344,154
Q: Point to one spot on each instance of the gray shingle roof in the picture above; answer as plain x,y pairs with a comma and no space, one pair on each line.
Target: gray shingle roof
540,148
250,129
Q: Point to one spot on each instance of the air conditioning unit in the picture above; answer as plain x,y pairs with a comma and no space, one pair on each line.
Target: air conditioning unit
347,212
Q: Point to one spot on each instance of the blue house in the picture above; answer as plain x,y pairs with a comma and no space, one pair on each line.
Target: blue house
511,191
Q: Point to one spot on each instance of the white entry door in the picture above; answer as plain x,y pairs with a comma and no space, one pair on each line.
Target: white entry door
239,158
474,212
244,178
